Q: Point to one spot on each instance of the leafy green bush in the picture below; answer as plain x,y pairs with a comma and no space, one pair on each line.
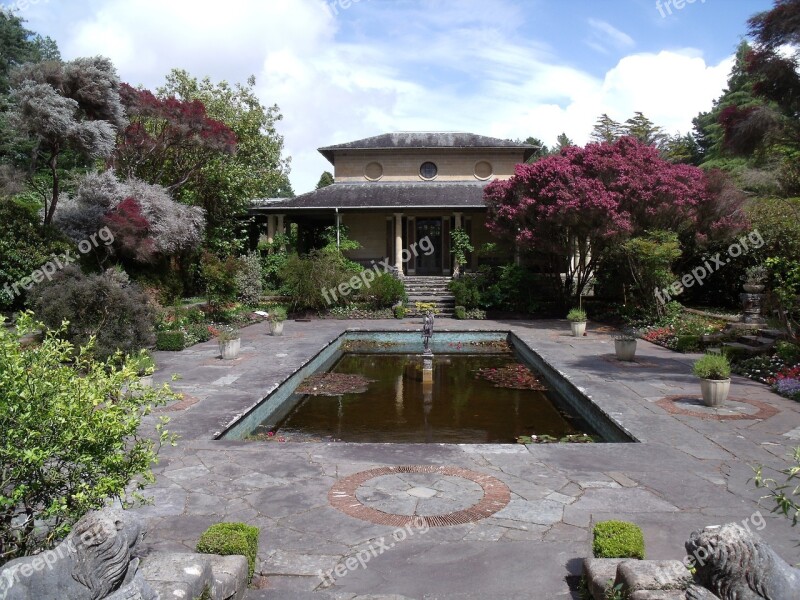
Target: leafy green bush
460,246
460,312
617,539
25,246
576,315
219,277
249,283
196,333
687,343
108,306
170,341
466,291
475,313
308,279
386,291
227,539
400,312
712,366
788,352
72,436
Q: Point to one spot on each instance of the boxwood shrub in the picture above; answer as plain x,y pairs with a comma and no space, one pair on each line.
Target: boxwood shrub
227,539
172,341
617,539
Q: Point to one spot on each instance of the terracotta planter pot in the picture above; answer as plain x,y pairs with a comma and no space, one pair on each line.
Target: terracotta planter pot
230,349
715,391
276,327
625,349
578,328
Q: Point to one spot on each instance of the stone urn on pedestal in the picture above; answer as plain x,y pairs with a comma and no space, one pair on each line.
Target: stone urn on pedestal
753,295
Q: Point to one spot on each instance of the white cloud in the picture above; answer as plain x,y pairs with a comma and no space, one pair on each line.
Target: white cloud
605,33
434,67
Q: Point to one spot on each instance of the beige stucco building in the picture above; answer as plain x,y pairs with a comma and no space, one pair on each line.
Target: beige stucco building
396,189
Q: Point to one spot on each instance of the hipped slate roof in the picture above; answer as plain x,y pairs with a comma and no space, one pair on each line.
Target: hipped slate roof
379,195
421,139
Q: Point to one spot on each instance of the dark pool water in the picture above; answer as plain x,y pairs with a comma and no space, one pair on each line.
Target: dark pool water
398,408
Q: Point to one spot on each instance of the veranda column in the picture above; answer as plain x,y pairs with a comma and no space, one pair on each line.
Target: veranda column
270,228
398,243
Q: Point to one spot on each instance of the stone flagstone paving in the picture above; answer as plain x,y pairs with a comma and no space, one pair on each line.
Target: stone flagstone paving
687,472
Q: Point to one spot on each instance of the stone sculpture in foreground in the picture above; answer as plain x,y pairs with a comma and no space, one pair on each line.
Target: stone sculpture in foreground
739,566
104,558
730,563
97,560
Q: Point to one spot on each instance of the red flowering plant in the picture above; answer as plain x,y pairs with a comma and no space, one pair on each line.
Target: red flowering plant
575,209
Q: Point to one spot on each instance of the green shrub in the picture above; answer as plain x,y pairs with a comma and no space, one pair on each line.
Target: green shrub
249,282
386,291
475,313
25,246
736,355
617,539
107,306
687,343
196,333
219,277
460,312
576,315
227,539
400,311
466,291
72,437
788,352
306,278
712,366
170,341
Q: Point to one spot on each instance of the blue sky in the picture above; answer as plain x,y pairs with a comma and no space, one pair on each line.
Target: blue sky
344,70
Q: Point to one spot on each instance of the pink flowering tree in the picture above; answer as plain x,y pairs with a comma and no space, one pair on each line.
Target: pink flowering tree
574,209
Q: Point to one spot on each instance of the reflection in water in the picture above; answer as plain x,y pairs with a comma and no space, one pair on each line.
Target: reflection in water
454,408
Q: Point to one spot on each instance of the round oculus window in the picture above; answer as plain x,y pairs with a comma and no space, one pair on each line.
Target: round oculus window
373,171
483,170
428,170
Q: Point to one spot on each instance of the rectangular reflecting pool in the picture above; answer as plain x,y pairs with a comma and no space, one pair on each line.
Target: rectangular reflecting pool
367,387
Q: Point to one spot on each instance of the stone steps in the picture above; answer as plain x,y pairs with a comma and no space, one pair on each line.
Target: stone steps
430,290
639,579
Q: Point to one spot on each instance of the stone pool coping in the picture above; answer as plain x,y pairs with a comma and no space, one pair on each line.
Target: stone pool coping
686,473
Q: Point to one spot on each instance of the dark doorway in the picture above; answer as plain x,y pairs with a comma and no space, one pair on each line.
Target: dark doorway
432,263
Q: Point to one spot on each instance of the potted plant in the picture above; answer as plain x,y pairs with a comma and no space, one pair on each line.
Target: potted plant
577,320
754,279
714,372
277,315
625,345
229,343
144,365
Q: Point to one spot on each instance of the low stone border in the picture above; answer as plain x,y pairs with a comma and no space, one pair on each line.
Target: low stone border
765,411
496,496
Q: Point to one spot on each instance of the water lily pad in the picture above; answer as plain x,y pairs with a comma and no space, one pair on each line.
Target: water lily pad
334,384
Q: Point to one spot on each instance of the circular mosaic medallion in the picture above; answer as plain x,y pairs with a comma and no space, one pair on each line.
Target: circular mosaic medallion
734,409
435,496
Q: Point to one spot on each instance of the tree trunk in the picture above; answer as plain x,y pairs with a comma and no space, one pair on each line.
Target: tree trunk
48,213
